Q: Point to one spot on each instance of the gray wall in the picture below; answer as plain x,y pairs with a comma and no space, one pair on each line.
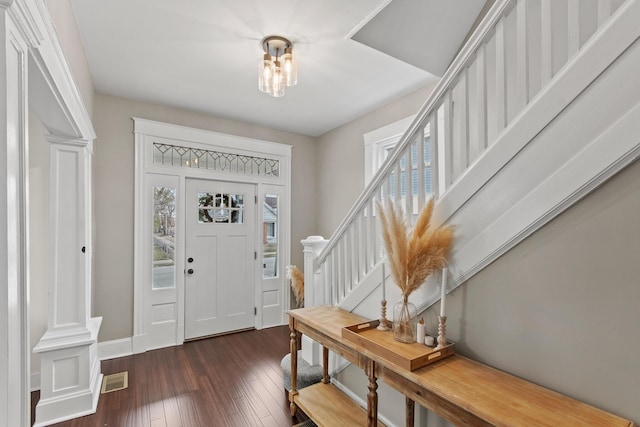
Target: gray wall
340,177
561,308
114,186
64,20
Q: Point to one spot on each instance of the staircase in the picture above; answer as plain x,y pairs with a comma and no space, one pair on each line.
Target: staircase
526,63
519,128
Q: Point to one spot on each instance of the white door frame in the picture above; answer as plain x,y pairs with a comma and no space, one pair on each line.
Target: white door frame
195,141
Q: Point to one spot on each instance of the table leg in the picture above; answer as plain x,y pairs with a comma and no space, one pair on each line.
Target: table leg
372,396
293,348
325,365
409,411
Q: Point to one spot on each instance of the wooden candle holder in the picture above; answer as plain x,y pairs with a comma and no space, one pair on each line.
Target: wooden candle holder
384,323
442,330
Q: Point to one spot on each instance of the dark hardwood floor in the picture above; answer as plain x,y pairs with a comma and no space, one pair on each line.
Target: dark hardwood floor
230,380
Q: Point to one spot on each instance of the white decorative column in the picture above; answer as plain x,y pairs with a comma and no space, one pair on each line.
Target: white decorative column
313,292
70,368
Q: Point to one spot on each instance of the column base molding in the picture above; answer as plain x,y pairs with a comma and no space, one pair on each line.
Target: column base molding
70,375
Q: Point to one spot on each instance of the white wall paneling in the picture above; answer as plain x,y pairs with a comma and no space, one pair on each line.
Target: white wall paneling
70,369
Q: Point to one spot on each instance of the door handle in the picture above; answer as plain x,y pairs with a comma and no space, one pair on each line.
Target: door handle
190,271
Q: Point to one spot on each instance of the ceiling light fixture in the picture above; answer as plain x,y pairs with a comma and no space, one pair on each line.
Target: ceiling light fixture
277,68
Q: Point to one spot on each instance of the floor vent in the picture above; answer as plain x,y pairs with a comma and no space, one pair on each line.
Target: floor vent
115,382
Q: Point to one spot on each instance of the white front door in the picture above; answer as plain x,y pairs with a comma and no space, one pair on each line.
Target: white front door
220,257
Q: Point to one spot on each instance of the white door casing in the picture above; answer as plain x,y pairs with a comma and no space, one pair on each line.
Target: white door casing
180,154
220,257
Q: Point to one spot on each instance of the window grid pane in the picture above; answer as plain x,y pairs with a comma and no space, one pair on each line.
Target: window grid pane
220,208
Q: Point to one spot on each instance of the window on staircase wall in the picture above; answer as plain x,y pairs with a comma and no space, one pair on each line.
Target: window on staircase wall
414,170
379,144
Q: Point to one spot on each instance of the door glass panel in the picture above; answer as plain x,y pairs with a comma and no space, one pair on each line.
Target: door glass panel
270,236
220,208
164,233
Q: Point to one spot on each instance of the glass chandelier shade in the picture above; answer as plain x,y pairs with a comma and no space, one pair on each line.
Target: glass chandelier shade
265,73
277,69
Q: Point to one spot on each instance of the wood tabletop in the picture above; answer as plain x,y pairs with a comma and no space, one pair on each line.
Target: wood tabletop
465,391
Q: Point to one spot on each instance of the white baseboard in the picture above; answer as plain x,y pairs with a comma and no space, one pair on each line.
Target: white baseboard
34,381
115,348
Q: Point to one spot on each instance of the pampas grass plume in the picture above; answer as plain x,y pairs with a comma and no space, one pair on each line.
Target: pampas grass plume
297,283
415,255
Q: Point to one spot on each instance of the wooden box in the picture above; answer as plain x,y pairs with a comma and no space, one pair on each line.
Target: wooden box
407,356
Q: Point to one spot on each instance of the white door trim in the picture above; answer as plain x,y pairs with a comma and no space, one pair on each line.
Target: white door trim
149,132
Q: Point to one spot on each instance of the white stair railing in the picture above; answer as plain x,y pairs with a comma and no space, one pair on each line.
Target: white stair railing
514,53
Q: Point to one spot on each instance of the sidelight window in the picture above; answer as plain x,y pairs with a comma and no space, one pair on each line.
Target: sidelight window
270,236
164,233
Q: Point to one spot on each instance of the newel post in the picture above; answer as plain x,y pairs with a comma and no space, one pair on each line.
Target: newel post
313,292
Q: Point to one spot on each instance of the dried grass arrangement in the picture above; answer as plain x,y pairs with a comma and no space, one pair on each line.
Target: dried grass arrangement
297,283
413,256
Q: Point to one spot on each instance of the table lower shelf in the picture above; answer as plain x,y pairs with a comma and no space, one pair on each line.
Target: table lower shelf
326,405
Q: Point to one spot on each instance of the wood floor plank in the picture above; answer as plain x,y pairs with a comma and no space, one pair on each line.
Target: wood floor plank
160,422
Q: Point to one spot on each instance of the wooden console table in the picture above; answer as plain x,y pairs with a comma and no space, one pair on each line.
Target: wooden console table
458,389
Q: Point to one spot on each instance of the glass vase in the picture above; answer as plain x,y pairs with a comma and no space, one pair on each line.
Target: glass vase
404,321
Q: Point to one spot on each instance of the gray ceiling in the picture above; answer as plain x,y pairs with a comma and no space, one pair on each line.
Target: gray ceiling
203,55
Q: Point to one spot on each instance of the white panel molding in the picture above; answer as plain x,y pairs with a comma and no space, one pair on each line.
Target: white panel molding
115,348
69,365
73,400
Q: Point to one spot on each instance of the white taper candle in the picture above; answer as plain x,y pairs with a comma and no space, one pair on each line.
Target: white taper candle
384,297
444,291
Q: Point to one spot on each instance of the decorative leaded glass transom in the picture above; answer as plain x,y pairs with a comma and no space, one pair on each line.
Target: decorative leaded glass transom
174,155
